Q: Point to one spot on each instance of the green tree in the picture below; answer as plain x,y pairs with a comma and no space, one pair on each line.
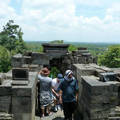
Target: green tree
34,47
110,58
72,48
11,37
53,73
5,60
57,42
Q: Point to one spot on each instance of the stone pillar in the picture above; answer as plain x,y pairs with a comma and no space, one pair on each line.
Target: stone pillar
23,99
17,60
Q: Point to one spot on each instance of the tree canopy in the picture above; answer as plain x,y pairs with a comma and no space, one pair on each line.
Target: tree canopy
110,58
72,48
11,37
5,60
57,42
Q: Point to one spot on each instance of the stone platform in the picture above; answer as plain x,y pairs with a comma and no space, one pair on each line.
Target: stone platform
54,116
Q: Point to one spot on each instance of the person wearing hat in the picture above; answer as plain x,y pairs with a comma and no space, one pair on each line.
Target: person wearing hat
45,92
68,91
55,84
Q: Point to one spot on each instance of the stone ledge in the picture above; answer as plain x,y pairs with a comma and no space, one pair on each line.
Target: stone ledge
19,83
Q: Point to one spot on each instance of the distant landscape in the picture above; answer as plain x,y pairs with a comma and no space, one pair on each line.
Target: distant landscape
12,42
94,48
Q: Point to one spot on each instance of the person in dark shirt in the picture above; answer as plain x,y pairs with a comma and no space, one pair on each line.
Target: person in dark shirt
68,91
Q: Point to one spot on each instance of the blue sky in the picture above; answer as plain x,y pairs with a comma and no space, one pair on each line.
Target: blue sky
69,20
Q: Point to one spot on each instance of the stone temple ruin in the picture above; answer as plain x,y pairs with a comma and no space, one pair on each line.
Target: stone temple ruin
56,55
99,93
98,99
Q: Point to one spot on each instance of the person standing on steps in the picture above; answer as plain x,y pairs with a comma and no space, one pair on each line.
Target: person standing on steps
45,91
68,91
55,84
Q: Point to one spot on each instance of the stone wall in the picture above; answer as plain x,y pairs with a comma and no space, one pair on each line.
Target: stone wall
54,55
96,98
23,97
18,100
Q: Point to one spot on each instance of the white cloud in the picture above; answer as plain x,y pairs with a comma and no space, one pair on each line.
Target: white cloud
114,11
5,12
51,19
57,20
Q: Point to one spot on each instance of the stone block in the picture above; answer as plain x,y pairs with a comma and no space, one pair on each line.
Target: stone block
2,77
5,104
17,60
23,103
21,91
34,68
23,97
50,47
20,74
27,59
5,90
40,58
19,83
9,75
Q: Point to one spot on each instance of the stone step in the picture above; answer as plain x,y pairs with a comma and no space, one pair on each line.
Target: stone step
6,116
114,118
54,116
114,114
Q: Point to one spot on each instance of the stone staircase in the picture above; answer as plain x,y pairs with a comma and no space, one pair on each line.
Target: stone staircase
115,113
5,116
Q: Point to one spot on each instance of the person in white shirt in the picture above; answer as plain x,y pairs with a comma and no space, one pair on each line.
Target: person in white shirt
55,84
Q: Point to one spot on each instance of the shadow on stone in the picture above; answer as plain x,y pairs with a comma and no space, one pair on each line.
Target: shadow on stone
58,118
37,113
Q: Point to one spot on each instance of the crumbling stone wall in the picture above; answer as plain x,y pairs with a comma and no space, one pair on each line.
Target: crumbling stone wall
54,55
96,98
17,99
19,95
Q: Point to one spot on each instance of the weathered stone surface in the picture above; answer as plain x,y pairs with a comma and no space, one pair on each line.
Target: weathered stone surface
40,58
5,103
5,90
20,74
52,52
52,47
6,116
17,60
9,75
19,82
23,97
96,98
34,67
27,59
